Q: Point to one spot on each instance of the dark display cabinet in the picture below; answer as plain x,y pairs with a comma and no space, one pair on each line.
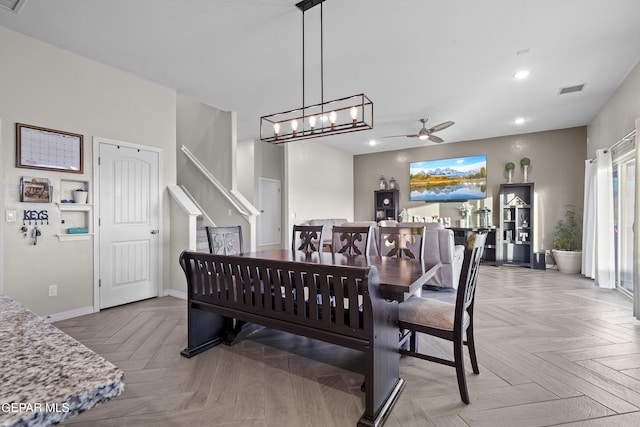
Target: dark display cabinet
386,204
491,254
517,224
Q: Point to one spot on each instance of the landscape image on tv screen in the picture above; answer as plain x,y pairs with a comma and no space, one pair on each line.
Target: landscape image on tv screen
446,180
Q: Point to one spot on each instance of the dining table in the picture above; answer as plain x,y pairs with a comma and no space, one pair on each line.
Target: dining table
399,277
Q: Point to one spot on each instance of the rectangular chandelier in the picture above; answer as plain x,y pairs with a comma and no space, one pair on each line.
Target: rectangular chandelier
351,114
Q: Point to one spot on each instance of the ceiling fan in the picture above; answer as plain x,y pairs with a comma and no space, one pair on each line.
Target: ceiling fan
425,133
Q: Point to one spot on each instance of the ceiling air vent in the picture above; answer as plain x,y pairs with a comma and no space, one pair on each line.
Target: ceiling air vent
12,5
571,89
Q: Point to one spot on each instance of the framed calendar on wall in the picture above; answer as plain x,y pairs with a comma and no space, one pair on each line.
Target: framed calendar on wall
49,149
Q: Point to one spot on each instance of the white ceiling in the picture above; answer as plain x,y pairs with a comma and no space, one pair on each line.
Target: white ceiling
444,60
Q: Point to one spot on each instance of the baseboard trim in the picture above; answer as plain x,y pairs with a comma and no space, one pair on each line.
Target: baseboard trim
57,317
176,294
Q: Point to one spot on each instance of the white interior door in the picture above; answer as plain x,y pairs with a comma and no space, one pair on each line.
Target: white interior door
129,213
269,220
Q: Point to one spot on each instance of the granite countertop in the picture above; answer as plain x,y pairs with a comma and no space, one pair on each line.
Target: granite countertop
45,375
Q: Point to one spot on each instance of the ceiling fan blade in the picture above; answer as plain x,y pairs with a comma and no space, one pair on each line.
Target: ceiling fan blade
434,138
399,136
441,126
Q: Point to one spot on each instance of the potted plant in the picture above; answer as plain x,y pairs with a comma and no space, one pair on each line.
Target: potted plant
567,243
509,167
525,162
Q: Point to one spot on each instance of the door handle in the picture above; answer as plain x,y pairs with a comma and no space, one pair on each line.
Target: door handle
155,231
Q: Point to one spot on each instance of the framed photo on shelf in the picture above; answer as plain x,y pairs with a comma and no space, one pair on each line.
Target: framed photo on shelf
35,190
49,149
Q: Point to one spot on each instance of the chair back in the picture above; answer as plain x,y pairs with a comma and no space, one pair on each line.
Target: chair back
401,242
225,240
351,240
307,238
468,277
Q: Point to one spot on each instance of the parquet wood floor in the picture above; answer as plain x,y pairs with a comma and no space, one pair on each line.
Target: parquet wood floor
553,350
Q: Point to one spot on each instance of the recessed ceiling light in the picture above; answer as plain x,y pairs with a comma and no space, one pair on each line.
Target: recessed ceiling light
522,74
519,121
372,142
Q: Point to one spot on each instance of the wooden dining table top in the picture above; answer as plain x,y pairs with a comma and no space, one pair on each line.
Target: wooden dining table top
399,277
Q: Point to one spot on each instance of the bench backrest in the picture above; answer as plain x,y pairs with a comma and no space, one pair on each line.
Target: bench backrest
327,298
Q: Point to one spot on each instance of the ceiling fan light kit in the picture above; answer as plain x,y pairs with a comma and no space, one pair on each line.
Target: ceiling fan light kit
349,114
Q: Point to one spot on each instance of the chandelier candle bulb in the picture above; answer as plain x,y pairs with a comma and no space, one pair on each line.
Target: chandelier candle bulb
332,118
354,115
312,122
294,127
276,129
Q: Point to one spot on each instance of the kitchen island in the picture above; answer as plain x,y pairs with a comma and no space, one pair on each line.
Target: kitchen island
45,375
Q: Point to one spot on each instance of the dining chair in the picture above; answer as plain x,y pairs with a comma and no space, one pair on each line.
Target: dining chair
307,238
225,240
445,320
351,240
401,242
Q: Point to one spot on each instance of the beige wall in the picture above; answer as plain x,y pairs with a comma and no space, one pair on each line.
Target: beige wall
617,117
557,169
269,163
45,86
318,183
208,133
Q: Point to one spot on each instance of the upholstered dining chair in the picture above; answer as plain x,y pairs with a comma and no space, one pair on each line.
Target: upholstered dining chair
307,238
401,242
225,240
351,240
445,320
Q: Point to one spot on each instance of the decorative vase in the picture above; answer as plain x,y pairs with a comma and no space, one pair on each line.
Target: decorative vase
80,197
525,170
509,176
382,183
463,223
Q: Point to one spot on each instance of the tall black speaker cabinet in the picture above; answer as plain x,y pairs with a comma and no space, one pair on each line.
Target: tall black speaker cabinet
517,224
386,204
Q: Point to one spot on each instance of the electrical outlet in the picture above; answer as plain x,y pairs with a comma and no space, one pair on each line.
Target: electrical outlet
53,290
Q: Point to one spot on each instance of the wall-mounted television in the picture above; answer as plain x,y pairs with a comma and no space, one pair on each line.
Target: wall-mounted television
448,180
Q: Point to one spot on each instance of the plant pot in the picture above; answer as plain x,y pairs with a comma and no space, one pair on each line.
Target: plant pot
568,261
80,197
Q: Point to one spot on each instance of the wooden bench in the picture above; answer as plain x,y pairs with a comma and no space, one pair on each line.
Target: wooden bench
299,298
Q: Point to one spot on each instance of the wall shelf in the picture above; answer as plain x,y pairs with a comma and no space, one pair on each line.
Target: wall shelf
74,237
74,215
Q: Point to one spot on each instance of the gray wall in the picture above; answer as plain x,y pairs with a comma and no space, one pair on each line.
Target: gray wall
318,183
208,133
45,86
617,117
557,170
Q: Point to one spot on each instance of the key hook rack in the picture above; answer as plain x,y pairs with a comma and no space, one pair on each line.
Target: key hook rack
35,217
